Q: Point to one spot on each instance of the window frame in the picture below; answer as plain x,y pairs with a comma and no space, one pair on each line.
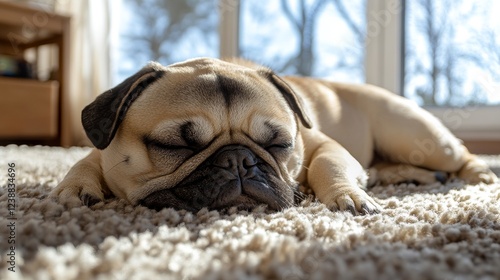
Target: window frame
229,28
384,64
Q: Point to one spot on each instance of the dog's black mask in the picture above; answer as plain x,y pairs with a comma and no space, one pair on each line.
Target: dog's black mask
232,176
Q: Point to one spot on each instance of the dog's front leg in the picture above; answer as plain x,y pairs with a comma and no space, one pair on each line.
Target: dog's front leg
83,184
335,176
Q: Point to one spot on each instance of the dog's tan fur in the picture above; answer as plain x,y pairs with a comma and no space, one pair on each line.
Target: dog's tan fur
354,128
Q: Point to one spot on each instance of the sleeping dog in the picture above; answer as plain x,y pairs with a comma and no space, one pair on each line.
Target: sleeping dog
212,133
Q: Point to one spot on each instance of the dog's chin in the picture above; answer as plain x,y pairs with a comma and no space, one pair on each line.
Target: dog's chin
244,195
167,199
233,177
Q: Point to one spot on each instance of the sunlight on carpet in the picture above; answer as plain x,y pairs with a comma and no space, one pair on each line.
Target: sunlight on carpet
449,231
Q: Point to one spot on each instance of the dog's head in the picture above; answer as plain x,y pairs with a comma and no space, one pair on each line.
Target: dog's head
202,133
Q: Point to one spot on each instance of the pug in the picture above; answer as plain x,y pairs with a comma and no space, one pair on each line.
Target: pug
217,134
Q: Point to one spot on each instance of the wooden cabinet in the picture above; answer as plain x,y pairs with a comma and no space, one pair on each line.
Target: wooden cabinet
29,109
33,110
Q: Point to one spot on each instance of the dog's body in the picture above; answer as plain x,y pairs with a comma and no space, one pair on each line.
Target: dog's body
209,133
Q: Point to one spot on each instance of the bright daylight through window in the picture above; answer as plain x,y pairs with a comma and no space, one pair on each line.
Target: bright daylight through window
450,56
453,52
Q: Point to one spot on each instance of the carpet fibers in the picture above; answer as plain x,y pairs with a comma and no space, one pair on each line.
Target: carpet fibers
434,231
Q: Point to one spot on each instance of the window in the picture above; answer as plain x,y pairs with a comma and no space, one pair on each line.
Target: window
166,31
452,64
321,38
444,55
452,52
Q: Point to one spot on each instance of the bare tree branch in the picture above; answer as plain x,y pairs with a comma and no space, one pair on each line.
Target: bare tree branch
286,9
449,58
160,26
359,33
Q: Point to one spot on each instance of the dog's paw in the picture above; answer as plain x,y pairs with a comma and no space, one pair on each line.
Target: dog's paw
396,173
73,193
476,171
354,200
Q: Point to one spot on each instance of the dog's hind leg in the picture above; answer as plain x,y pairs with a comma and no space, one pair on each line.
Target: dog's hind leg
413,136
386,173
407,134
476,171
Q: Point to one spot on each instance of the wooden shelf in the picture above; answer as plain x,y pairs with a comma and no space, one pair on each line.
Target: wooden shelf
30,109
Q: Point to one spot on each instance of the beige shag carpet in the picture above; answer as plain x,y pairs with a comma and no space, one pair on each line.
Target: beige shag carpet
435,231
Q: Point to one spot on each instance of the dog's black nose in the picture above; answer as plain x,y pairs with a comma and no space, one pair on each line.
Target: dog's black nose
233,176
237,159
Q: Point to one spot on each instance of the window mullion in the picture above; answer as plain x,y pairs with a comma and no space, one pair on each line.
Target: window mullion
384,52
229,19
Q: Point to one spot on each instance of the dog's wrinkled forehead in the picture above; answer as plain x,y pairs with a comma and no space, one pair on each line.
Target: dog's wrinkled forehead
225,95
211,76
167,92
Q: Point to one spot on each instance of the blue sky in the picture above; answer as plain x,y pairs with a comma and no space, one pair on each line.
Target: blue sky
276,40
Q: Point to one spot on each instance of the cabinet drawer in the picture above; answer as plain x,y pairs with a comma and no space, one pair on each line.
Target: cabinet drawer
28,108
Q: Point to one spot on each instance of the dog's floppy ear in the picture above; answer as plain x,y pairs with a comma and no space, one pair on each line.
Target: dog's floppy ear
294,101
102,117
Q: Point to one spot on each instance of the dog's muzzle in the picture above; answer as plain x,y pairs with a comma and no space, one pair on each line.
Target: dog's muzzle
233,176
